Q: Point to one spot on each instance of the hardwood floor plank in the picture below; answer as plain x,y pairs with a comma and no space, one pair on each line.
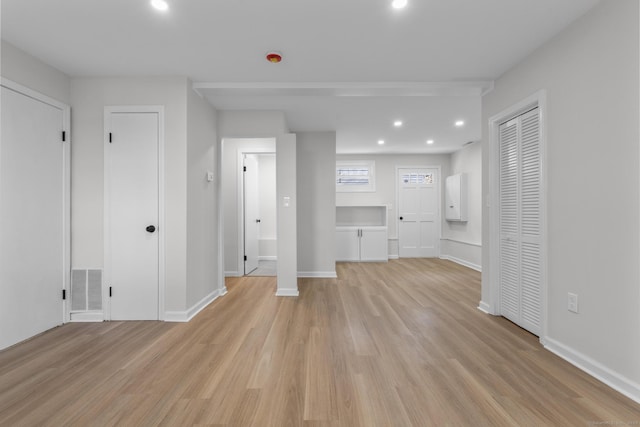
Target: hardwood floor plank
385,344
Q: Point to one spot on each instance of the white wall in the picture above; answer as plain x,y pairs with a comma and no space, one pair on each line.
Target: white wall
267,243
287,202
386,185
88,97
22,68
231,201
590,72
202,212
316,158
462,241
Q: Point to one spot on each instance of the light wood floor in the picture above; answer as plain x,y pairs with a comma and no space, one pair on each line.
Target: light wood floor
395,344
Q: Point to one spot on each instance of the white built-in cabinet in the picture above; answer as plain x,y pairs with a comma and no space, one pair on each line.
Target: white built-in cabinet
456,197
361,233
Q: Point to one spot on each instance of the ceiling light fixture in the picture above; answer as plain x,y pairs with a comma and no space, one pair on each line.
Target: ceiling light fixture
460,123
381,142
429,141
397,123
160,5
399,4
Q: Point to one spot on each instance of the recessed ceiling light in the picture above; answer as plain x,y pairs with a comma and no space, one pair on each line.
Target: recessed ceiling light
460,123
399,4
381,142
160,5
429,141
397,123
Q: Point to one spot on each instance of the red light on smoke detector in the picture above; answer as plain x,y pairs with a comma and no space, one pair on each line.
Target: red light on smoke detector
274,57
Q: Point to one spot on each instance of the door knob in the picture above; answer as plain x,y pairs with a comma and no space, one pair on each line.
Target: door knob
257,220
151,228
400,218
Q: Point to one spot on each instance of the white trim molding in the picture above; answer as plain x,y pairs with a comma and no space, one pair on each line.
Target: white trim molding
86,317
287,292
597,370
187,315
462,262
318,274
485,308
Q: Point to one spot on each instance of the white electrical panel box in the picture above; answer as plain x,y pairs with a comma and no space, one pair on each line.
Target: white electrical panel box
456,197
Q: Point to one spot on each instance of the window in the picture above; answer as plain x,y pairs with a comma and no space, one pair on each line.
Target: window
417,178
355,176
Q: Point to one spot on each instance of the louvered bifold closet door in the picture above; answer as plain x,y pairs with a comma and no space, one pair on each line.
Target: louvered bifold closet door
509,248
530,229
520,221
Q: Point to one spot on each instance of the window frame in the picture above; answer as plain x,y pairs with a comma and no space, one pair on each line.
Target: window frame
370,187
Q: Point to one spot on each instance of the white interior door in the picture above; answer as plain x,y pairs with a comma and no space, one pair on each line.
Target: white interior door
132,229
520,222
251,213
419,213
33,193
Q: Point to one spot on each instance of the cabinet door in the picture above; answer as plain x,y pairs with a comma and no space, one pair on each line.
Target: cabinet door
452,198
373,245
347,244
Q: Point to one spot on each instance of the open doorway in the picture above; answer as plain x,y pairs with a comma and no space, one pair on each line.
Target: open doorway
259,196
243,236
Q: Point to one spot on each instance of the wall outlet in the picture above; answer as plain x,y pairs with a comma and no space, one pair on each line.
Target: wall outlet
572,304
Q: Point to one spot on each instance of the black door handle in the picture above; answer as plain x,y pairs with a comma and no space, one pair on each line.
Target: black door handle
257,220
400,218
151,228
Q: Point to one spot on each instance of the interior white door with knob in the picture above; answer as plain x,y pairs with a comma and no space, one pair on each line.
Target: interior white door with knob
251,212
133,227
419,212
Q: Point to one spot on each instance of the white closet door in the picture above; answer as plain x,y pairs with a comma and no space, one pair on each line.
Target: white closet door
520,221
32,217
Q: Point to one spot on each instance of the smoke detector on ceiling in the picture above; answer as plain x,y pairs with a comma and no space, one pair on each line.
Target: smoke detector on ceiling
274,57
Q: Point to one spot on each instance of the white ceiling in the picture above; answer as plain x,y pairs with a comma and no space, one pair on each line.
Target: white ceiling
351,66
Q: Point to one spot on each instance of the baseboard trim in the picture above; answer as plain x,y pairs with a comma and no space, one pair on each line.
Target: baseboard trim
394,257
468,264
187,315
484,307
267,258
86,317
595,369
287,293
232,274
318,274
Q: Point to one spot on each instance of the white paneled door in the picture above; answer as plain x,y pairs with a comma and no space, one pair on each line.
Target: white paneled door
251,212
520,221
33,211
419,212
132,214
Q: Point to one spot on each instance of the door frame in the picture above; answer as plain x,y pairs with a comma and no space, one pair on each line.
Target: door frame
66,183
439,198
538,99
159,109
240,192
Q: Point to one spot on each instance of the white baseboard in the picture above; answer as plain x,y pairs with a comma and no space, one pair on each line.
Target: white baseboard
232,274
394,257
87,317
484,307
267,258
287,293
462,262
187,315
595,369
318,274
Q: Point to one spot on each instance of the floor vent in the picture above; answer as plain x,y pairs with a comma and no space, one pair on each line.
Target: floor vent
86,290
